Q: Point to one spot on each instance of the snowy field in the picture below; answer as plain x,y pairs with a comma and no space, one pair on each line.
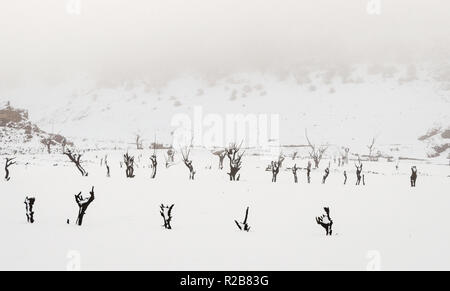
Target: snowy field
383,225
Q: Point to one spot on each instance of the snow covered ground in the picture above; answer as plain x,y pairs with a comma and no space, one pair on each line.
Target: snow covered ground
385,224
105,77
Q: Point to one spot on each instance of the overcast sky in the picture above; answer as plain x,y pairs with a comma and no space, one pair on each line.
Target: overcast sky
110,38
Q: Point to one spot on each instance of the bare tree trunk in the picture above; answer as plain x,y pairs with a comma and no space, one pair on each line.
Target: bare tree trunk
108,173
371,147
358,173
221,158
275,166
83,204
154,165
75,158
326,222
234,156
29,202
316,153
188,163
294,171
316,163
325,176
308,173
413,176
129,163
9,163
244,225
166,213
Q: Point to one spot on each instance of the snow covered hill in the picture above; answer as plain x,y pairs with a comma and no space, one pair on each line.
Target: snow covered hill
19,134
395,103
438,142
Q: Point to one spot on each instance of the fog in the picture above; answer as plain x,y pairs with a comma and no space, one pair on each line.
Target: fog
43,39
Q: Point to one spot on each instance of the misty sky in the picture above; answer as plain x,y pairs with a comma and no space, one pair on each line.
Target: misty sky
125,38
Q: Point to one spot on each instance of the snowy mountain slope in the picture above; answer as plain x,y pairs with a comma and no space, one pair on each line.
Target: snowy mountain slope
397,104
18,134
437,141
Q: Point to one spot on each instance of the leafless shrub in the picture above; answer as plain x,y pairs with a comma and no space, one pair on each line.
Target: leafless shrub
129,163
275,167
154,165
221,155
316,153
166,213
235,156
413,176
9,163
325,176
243,225
185,154
308,172
83,204
76,159
29,202
170,157
325,221
294,171
359,168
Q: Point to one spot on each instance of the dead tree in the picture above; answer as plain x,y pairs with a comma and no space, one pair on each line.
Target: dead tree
294,171
345,177
83,204
413,176
275,166
325,176
325,221
188,163
243,225
316,152
221,155
166,213
371,147
129,163
344,156
29,202
235,156
308,172
170,158
75,158
108,173
294,155
9,163
139,145
154,165
48,142
358,173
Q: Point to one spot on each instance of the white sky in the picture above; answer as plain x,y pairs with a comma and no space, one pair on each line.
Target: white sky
121,38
